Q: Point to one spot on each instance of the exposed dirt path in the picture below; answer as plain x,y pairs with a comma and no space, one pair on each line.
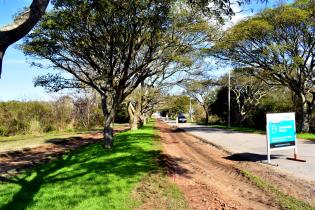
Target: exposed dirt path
207,178
12,162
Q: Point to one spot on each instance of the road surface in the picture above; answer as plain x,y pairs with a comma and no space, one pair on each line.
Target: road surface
252,147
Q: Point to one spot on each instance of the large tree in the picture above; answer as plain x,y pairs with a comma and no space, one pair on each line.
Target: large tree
203,91
108,45
26,20
248,92
279,47
21,26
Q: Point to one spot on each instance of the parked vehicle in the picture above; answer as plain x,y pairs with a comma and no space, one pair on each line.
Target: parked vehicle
182,119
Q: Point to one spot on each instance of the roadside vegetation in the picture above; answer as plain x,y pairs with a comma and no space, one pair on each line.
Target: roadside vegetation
91,178
36,117
307,136
179,49
124,65
66,114
271,61
286,201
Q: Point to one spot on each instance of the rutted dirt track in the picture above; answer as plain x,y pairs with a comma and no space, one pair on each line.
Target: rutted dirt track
209,180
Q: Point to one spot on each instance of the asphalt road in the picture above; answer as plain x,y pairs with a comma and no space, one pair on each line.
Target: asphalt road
253,147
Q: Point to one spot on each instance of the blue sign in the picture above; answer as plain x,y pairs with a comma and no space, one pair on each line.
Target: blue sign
281,133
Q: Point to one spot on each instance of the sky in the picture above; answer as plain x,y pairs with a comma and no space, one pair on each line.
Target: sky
16,82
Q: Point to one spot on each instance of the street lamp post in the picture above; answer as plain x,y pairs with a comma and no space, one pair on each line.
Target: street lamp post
229,100
190,110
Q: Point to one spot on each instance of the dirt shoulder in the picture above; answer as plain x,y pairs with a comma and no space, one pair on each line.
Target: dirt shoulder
20,142
210,180
13,162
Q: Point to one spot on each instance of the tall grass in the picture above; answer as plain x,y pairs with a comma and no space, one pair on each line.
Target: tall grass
36,117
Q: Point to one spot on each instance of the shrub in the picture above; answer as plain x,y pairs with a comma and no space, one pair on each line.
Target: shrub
34,128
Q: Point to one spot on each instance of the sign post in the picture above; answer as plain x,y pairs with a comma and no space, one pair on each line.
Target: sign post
281,134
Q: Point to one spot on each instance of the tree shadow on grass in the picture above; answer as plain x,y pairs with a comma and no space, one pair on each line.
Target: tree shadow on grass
84,174
21,160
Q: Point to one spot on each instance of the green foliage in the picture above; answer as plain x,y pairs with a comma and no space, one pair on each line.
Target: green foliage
23,117
276,102
277,46
203,91
36,117
122,114
173,105
219,107
34,127
111,46
308,136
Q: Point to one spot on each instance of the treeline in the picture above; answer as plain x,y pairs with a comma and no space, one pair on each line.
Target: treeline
250,102
63,114
272,55
254,115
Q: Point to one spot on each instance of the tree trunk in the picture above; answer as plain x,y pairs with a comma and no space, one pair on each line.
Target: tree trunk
205,108
207,118
108,136
1,57
23,24
133,118
145,120
305,127
109,115
136,120
207,115
134,123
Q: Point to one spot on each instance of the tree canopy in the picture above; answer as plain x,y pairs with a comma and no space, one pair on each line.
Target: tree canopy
278,46
203,91
112,53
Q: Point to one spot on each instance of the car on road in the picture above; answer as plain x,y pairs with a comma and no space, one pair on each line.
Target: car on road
182,119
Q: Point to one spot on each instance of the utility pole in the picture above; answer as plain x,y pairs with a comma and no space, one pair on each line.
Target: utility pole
190,109
229,100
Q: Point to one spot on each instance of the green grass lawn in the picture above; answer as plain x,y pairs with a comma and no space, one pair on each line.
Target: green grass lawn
307,136
89,178
242,129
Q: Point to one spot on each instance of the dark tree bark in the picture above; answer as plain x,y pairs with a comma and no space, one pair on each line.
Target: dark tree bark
22,25
207,114
108,136
207,118
109,115
306,113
